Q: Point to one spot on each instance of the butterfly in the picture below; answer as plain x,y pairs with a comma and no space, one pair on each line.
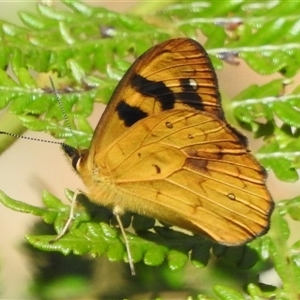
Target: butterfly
163,148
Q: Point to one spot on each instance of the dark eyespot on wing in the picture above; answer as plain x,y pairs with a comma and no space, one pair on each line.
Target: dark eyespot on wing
169,125
157,169
156,89
129,114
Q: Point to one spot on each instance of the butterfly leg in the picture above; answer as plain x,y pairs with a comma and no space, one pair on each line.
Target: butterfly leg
130,260
70,218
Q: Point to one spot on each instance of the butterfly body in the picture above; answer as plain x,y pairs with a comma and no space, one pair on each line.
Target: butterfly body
163,149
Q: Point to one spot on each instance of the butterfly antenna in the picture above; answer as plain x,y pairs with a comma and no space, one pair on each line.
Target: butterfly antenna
71,149
30,138
63,111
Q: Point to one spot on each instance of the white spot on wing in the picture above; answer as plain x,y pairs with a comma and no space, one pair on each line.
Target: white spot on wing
193,83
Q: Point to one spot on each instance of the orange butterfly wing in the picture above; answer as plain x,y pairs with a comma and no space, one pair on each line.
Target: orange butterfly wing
187,169
174,74
199,175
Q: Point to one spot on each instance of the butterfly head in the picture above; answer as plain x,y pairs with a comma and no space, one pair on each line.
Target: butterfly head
77,156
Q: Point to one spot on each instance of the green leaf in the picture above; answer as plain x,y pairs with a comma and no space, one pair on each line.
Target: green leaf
32,21
176,259
287,113
155,256
291,207
279,160
226,293
20,206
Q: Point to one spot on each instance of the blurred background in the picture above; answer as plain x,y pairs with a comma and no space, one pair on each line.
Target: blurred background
28,168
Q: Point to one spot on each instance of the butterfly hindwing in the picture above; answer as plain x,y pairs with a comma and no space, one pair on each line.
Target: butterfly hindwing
187,168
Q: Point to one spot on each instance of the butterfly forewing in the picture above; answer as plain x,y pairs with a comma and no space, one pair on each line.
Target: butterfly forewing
174,74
